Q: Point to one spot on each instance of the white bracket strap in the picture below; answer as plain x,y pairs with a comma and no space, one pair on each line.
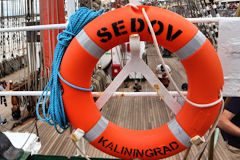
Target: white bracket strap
79,142
77,138
136,64
77,135
197,140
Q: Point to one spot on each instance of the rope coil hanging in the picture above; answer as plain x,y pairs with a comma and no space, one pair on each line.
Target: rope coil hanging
55,114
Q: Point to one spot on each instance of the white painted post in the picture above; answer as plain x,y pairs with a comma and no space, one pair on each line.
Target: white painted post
135,2
70,7
71,11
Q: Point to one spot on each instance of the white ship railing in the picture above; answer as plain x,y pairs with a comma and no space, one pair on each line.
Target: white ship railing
95,94
64,25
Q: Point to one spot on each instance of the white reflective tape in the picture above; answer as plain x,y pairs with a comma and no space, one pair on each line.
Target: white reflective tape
90,46
191,47
97,130
179,133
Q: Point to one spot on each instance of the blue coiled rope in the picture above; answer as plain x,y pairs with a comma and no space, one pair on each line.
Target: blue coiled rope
55,114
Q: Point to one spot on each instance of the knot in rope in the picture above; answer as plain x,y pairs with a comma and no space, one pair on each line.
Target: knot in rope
65,38
55,114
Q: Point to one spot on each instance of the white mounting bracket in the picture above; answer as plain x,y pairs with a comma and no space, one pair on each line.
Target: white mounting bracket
77,137
136,64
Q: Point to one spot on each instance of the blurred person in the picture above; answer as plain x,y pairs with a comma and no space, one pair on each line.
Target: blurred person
137,87
16,112
162,75
230,127
3,122
3,86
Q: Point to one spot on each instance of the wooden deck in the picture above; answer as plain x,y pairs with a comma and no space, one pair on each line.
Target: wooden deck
133,113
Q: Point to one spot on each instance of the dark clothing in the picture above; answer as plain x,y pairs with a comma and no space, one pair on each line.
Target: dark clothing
165,81
7,150
234,107
3,100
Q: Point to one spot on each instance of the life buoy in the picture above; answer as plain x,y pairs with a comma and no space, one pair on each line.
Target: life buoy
175,33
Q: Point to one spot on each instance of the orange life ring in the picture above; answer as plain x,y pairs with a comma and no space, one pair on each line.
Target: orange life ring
175,33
